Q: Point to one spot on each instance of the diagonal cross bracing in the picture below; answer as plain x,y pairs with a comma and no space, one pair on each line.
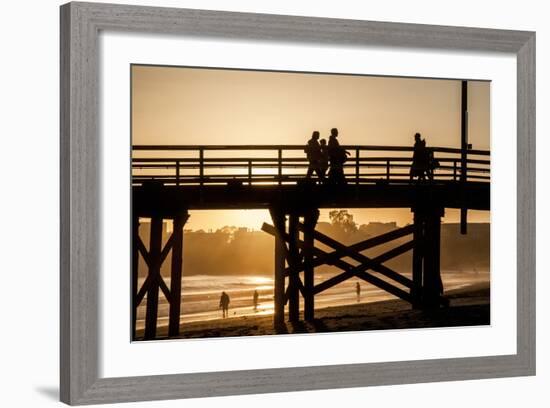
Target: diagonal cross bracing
334,258
360,270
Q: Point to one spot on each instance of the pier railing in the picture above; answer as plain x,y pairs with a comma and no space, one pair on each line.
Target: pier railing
287,164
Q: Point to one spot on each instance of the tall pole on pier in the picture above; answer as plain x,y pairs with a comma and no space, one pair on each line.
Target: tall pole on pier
464,156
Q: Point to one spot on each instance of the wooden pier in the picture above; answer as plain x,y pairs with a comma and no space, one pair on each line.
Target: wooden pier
169,181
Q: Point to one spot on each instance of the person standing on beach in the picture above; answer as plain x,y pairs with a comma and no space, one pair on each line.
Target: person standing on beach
224,304
255,298
358,291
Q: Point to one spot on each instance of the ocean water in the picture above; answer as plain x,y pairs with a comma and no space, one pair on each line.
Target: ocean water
201,294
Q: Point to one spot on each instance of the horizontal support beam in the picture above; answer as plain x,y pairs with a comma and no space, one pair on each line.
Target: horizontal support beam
369,148
266,179
172,160
170,200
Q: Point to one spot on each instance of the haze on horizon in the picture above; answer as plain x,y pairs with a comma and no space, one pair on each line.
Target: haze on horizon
177,105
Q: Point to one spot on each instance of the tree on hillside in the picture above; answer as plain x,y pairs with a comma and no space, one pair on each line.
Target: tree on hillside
343,220
229,231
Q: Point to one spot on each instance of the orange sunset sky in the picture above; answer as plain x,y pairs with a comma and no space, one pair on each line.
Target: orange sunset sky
175,105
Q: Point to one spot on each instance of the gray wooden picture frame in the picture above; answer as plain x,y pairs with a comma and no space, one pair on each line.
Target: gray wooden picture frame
81,24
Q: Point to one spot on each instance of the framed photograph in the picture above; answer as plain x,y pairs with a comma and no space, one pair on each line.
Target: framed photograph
261,203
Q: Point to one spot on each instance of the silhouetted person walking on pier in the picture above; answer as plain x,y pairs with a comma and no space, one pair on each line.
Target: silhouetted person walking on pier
323,163
420,161
433,163
255,298
337,156
313,153
358,291
224,304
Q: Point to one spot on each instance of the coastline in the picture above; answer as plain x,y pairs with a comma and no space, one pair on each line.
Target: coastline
469,306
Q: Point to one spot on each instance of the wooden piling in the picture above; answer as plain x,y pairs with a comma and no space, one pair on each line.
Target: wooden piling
310,220
427,287
293,293
154,273
279,270
433,287
153,196
176,274
135,268
417,259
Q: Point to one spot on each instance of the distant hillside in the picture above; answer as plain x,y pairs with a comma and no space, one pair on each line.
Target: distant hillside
465,251
239,251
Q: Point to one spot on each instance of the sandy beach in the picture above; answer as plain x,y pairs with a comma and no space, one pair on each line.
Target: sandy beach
469,306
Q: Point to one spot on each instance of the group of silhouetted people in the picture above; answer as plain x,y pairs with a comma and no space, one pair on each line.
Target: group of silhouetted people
323,156
423,162
225,300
